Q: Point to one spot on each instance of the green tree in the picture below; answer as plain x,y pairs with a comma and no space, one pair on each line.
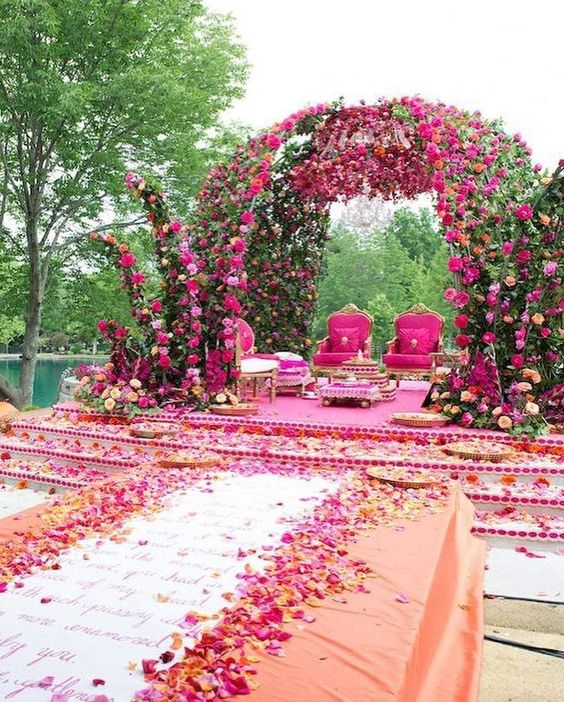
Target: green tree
88,89
417,232
386,272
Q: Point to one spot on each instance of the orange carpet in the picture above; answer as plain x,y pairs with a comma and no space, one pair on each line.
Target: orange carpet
374,648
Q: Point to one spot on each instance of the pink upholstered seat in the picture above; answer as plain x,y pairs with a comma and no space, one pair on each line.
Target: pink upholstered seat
405,360
349,331
418,334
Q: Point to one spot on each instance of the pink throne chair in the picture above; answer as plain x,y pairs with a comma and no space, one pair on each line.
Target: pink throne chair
349,332
419,333
254,366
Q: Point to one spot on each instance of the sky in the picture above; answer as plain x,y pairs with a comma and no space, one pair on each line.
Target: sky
501,57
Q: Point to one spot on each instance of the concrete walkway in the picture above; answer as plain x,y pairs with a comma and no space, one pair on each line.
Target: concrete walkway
513,675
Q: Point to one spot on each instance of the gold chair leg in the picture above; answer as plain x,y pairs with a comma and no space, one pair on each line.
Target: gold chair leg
272,387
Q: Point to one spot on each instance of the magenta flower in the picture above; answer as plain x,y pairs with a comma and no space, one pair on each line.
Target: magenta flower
524,212
127,260
550,269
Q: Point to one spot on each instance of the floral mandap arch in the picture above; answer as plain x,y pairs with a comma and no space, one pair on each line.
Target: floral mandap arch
255,249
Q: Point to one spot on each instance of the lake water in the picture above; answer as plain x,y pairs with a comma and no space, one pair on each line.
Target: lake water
47,376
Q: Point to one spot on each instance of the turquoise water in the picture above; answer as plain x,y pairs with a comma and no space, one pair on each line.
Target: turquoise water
47,376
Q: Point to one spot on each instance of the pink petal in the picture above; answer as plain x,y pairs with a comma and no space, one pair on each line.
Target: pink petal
403,598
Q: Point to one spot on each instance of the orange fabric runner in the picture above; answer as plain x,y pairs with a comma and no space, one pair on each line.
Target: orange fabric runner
21,521
374,648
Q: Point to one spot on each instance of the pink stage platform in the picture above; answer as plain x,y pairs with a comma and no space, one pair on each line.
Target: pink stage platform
409,397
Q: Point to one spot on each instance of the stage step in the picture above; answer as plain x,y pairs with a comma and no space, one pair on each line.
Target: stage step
521,500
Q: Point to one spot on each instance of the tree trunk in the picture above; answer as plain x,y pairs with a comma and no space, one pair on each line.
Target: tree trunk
33,317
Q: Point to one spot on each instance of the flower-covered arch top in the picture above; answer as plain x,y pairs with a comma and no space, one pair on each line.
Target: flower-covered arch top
255,249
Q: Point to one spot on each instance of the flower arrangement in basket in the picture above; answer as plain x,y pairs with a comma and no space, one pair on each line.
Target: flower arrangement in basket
227,403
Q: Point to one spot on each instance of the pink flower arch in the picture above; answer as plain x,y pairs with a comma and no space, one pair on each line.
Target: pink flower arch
255,249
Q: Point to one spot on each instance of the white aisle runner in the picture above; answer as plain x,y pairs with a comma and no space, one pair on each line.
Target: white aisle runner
114,603
14,500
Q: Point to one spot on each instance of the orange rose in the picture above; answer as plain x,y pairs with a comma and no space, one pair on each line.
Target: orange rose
510,281
544,220
508,480
532,375
537,318
478,167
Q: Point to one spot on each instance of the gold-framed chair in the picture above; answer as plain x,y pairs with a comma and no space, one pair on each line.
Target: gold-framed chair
252,366
418,335
349,332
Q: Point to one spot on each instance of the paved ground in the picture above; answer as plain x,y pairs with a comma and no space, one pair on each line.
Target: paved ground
512,675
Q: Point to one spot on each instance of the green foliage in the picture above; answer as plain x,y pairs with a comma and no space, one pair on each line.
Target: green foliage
87,91
385,272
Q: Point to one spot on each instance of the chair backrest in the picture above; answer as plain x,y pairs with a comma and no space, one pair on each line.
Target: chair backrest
246,337
421,317
350,317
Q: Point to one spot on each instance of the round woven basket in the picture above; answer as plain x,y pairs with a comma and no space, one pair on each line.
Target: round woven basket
143,431
419,419
187,460
241,410
478,450
400,482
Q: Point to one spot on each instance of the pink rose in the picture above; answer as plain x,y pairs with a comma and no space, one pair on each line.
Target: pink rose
488,338
127,260
247,217
517,360
164,362
273,141
461,321
455,264
462,298
524,212
523,256
462,340
102,326
143,402
450,294
550,268
137,278
156,306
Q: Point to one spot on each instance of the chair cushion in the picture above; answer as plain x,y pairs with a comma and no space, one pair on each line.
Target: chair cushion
415,341
257,365
331,359
406,360
344,339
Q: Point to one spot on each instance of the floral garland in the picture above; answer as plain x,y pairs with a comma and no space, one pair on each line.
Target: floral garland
255,249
